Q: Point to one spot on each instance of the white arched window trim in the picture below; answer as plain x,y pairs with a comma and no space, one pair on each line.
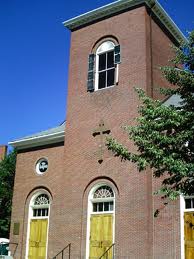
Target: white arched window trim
90,212
105,47
31,207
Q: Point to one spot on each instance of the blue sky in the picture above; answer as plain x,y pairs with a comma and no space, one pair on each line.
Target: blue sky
34,57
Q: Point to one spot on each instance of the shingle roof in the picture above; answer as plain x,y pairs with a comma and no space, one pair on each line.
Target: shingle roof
50,136
46,132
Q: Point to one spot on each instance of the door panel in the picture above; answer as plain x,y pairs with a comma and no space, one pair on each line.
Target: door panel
38,239
101,228
189,234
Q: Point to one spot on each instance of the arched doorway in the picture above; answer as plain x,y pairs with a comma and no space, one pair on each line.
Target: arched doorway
101,207
38,226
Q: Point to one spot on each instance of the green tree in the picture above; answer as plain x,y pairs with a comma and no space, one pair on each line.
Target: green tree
7,174
164,135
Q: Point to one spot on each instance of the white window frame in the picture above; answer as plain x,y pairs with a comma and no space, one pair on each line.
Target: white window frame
99,52
90,212
30,217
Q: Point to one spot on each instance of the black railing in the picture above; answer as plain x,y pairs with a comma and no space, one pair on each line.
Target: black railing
16,246
105,255
62,252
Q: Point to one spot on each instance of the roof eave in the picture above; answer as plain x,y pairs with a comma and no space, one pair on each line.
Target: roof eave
122,5
38,141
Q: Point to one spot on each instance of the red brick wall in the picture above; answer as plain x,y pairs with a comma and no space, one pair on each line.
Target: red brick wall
166,227
117,106
162,53
27,183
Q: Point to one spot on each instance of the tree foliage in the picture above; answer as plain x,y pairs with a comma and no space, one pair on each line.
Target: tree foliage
7,174
164,135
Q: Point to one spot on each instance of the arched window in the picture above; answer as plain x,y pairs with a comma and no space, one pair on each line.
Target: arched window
40,206
103,199
103,66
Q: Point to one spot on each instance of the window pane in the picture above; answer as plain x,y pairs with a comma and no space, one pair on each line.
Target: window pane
188,203
110,59
102,80
106,206
100,206
192,204
110,77
102,62
43,212
39,212
46,214
111,205
94,207
34,213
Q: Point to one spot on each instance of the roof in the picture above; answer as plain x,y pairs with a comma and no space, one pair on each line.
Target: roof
174,100
46,137
122,6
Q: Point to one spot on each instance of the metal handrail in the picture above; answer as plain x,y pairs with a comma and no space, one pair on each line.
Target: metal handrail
16,246
62,252
106,252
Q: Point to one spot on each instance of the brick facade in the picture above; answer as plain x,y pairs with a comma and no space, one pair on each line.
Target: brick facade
74,168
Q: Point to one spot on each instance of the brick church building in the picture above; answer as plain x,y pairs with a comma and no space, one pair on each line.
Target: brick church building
70,191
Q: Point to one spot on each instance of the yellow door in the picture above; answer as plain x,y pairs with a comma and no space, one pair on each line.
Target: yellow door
189,234
101,239
38,239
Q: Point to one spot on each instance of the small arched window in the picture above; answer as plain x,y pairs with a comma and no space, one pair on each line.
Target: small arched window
40,206
103,199
103,66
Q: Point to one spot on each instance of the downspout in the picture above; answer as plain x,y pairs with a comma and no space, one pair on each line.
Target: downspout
150,173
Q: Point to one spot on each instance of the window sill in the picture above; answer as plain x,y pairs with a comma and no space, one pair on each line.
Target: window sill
96,90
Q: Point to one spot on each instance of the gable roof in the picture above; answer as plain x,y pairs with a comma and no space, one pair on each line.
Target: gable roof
122,6
46,137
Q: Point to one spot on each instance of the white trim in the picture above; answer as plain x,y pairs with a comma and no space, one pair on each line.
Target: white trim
36,137
30,216
117,74
122,5
182,207
89,213
38,140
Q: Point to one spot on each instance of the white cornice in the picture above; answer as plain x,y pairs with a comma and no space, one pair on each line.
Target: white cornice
38,141
122,5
